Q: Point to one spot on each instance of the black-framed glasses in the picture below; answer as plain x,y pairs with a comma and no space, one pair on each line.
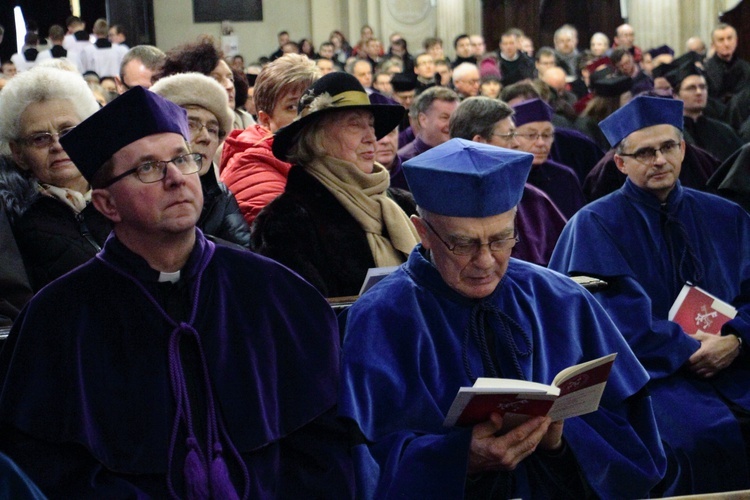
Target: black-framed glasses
196,126
648,155
546,136
42,140
154,171
474,247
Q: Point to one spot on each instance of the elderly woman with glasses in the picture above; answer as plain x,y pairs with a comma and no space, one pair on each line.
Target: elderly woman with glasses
337,216
58,228
209,119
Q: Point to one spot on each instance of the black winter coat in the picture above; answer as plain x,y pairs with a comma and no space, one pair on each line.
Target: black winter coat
221,216
308,230
53,239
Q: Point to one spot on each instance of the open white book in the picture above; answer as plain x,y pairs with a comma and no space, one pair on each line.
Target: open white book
575,391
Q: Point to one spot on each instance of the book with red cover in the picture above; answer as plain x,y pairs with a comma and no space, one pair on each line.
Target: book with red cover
696,310
575,391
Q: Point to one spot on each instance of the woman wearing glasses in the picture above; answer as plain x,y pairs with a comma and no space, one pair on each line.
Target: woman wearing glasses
336,217
209,119
58,228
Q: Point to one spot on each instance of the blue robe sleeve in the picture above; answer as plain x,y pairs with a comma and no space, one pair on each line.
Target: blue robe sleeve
587,247
402,366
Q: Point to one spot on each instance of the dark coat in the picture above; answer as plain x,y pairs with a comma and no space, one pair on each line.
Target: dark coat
53,239
732,179
221,216
309,231
714,136
15,289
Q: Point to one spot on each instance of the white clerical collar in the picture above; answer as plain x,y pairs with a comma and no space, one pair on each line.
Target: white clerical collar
170,277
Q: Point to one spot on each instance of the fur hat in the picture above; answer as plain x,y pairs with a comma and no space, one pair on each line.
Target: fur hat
335,92
196,89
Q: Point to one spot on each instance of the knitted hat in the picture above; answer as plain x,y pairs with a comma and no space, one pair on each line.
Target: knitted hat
196,89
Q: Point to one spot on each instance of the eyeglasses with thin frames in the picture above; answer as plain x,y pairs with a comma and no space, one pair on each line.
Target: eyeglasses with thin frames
648,155
42,140
196,126
473,248
546,136
154,171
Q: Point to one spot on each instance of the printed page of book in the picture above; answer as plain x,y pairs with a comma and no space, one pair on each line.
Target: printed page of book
581,387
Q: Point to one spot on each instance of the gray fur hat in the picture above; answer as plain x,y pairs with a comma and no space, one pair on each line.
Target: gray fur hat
196,89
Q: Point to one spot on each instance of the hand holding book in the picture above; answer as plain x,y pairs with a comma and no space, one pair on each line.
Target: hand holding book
575,391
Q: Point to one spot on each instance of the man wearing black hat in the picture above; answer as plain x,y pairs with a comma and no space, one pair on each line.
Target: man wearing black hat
462,308
404,89
716,137
169,366
648,240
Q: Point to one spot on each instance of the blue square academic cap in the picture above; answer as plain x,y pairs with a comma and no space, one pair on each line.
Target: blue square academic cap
134,115
641,112
461,178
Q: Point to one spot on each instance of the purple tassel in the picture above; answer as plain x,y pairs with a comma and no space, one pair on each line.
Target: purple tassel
196,482
221,485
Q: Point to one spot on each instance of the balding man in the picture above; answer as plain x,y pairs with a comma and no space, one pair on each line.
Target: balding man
625,38
460,308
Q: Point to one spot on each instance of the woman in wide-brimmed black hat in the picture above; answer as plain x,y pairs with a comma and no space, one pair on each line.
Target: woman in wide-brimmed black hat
337,217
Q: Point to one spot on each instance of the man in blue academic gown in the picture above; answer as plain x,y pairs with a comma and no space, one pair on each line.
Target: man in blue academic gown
462,308
647,240
538,220
170,366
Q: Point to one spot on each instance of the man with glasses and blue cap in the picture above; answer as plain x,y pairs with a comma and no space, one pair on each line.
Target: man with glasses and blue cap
462,308
168,365
647,240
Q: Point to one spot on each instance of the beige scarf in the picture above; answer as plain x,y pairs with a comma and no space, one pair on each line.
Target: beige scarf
390,234
75,200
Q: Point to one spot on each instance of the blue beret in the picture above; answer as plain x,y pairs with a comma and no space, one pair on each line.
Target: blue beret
533,110
462,178
641,112
134,115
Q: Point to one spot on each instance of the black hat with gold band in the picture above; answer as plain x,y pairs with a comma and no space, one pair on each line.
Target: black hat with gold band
333,92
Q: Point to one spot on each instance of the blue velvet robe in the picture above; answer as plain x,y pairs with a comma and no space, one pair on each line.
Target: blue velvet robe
86,407
403,364
622,238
